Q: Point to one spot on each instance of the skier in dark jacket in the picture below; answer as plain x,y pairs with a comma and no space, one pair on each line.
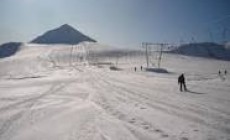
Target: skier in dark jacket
225,72
181,81
219,72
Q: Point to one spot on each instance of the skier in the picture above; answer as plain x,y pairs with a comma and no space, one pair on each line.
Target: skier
181,81
219,72
222,75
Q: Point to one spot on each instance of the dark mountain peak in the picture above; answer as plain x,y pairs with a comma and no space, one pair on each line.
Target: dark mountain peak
66,26
64,34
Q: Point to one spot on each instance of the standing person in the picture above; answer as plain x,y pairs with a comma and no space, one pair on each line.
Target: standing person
141,68
225,72
135,69
219,72
181,81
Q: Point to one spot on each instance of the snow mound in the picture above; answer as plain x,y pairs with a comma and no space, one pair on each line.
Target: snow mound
157,70
65,34
209,50
9,49
114,68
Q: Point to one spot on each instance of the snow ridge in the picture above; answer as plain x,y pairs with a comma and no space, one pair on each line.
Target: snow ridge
205,49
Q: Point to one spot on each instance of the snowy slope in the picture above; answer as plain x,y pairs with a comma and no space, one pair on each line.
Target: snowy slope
64,34
51,92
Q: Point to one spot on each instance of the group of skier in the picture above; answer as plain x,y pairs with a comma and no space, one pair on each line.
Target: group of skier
222,75
135,68
225,72
182,81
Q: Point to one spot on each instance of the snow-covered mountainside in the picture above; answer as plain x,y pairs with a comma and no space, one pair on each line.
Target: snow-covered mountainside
53,92
65,34
210,50
9,49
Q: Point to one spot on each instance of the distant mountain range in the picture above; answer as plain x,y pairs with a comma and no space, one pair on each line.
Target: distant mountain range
204,49
64,34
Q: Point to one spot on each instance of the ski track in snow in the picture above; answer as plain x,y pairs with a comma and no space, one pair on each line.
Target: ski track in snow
139,97
63,98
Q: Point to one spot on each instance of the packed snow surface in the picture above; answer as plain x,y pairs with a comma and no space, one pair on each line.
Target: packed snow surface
54,93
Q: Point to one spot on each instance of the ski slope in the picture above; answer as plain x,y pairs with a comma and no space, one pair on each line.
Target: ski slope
52,93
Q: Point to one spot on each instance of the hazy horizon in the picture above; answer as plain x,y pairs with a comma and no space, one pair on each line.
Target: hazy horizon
118,23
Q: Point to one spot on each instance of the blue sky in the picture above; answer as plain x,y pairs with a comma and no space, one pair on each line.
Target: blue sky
123,23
